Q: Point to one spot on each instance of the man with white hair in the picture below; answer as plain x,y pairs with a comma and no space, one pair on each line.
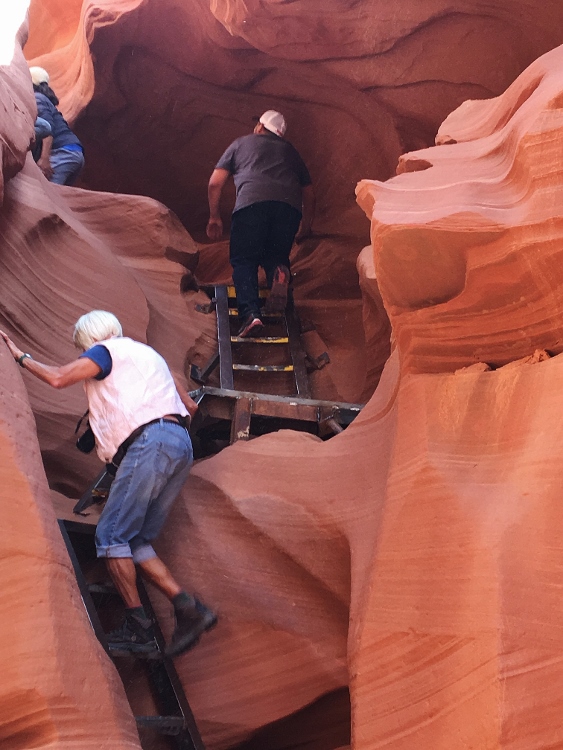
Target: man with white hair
274,199
139,414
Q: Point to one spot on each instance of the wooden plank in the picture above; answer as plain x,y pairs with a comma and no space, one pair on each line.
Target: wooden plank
286,410
224,336
261,340
264,368
231,293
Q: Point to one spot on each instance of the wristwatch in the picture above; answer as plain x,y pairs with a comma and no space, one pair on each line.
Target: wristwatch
20,359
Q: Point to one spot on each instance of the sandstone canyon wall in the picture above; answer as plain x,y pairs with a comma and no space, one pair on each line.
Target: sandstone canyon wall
58,689
415,557
170,84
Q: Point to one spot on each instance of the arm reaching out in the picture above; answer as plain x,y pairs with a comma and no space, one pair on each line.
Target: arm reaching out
57,377
217,182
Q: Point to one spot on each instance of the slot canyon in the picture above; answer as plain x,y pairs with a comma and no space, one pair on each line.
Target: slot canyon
394,587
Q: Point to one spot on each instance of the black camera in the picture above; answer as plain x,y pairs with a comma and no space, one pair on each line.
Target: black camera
86,442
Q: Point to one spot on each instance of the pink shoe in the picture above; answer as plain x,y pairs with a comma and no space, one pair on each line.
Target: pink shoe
251,327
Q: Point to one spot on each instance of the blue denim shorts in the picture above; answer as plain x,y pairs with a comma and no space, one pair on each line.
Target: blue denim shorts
146,484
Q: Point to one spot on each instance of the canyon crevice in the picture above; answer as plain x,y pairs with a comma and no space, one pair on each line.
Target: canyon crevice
410,562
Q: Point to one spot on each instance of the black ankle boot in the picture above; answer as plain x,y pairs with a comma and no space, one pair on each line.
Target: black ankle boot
133,636
191,621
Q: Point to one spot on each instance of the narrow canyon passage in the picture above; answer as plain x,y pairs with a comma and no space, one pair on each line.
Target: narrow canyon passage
385,576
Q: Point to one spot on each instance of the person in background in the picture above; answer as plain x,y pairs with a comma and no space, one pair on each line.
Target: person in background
62,156
274,199
139,414
42,131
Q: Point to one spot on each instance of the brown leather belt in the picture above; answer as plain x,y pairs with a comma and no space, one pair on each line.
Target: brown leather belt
178,419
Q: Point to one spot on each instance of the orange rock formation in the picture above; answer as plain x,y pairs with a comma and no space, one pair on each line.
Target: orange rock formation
358,82
412,558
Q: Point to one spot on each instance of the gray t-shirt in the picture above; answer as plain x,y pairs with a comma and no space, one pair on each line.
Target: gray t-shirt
265,168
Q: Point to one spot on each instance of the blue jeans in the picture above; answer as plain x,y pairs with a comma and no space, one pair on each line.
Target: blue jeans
262,234
66,165
144,489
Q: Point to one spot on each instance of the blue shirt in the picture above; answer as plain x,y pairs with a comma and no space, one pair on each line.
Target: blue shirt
101,356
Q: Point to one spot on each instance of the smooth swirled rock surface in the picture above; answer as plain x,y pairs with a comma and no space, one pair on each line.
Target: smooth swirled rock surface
468,258
415,558
169,85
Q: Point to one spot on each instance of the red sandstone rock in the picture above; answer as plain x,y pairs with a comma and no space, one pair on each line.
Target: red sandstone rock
78,251
415,556
58,688
358,83
465,265
17,114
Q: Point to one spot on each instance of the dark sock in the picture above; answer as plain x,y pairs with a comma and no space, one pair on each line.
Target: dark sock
183,600
139,615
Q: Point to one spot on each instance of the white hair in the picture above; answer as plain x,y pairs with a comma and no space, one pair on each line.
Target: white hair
95,326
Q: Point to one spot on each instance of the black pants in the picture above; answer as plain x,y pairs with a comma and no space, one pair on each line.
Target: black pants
262,234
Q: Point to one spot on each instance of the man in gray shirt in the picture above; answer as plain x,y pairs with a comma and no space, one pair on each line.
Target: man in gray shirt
274,199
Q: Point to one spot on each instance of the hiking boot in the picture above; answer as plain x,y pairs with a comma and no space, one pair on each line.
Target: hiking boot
277,299
191,622
132,638
251,327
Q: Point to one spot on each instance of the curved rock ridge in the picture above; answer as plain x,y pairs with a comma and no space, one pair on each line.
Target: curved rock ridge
72,251
340,29
18,110
58,688
61,31
435,519
467,251
415,556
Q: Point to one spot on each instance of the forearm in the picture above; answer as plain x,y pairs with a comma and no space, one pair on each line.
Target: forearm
46,373
46,152
57,377
214,197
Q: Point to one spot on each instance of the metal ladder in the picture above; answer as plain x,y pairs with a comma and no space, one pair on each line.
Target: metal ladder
230,345
228,412
176,719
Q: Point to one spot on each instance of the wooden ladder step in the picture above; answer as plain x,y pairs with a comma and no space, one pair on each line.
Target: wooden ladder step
231,294
263,368
233,312
260,340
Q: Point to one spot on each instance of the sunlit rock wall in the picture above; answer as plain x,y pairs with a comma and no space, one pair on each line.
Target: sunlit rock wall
62,252
468,258
415,557
461,631
58,689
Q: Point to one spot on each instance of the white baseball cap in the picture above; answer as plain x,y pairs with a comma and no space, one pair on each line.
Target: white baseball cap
274,122
38,75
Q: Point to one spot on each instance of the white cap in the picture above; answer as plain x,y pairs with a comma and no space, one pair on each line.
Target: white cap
274,122
38,75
